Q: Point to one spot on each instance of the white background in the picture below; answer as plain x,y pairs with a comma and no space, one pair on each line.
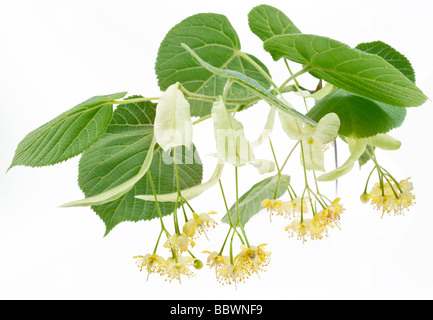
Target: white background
56,54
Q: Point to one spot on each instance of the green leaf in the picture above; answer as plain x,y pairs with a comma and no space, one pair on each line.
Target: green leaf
214,38
358,72
266,21
67,135
250,203
359,117
251,85
118,157
391,55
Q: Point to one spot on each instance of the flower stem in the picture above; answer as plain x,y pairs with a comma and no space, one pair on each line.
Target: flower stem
237,197
225,203
278,168
179,196
307,187
294,76
224,243
289,155
157,204
157,242
296,83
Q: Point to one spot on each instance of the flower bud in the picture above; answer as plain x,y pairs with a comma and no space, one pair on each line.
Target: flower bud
198,264
364,198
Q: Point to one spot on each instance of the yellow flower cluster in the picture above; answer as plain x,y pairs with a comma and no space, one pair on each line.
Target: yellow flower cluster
173,267
178,265
249,261
392,197
153,263
317,227
216,260
198,224
191,229
179,243
286,208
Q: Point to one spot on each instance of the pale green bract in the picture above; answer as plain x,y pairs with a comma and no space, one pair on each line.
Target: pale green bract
313,138
269,125
173,125
231,145
189,193
357,147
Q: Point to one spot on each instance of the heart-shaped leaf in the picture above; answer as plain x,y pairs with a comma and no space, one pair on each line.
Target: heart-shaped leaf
391,55
266,21
67,135
213,38
359,117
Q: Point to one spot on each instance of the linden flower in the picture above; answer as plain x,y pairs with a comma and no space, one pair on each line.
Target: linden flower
392,197
317,227
153,264
179,266
286,208
268,204
273,206
254,258
300,229
331,215
198,224
309,227
216,260
179,243
295,206
232,274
